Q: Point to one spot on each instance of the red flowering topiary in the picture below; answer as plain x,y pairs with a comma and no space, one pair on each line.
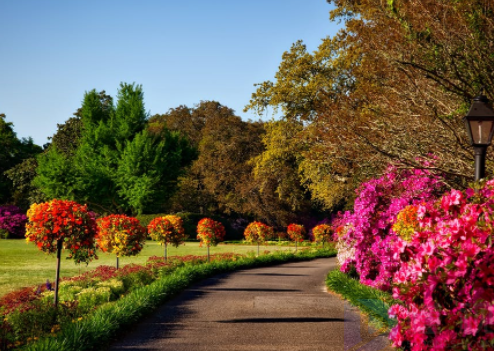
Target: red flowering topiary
210,232
65,221
167,230
258,232
121,235
296,232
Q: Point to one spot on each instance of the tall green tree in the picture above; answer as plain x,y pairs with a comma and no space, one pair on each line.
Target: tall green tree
12,152
118,166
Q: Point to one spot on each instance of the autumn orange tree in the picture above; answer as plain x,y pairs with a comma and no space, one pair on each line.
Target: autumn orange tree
393,84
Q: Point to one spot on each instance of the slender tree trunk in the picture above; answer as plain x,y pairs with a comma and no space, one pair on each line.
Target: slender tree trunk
166,252
57,278
258,249
296,247
208,253
118,263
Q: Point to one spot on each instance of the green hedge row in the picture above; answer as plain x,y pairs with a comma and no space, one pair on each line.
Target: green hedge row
375,303
105,324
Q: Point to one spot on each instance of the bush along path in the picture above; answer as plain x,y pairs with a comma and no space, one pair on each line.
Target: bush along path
91,324
372,302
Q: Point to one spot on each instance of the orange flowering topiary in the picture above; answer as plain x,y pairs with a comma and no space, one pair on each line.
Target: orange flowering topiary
167,230
296,232
65,221
121,235
322,233
210,232
258,232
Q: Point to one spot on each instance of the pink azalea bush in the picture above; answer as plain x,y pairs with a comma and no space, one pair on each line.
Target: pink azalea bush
446,274
13,220
367,230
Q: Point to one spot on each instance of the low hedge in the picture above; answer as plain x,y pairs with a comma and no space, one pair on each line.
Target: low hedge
374,303
96,330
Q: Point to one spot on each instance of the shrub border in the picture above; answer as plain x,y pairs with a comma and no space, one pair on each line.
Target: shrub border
372,302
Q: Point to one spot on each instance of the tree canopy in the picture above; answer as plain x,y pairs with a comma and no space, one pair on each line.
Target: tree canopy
118,166
392,85
12,152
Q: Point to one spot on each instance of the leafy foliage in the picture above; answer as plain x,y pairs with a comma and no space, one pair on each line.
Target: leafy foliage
12,152
117,166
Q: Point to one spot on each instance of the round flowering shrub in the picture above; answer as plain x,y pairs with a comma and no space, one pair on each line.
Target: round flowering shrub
323,233
121,235
368,228
446,275
13,220
65,221
296,232
210,232
258,232
167,230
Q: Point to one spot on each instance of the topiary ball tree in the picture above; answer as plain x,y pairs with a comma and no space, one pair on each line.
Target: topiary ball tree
297,233
121,235
61,224
323,233
258,232
210,233
167,230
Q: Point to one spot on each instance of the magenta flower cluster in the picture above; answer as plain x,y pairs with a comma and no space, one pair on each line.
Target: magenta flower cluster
13,220
446,275
368,228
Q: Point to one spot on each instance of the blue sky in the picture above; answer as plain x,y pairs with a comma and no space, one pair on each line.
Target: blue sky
180,51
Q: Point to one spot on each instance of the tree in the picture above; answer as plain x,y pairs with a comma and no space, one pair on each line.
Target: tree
167,229
302,82
217,181
118,165
24,193
12,152
394,84
121,235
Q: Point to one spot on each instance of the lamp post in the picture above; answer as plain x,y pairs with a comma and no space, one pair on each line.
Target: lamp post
480,126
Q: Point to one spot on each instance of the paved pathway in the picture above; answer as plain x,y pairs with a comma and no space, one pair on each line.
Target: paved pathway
282,308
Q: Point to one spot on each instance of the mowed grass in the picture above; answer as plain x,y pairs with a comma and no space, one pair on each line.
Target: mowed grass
22,264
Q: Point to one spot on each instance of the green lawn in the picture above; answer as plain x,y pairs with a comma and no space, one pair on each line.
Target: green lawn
22,264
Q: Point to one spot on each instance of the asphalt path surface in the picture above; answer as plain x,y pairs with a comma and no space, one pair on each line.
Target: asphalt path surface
284,307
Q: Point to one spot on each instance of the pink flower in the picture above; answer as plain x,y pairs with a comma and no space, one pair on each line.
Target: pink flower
470,326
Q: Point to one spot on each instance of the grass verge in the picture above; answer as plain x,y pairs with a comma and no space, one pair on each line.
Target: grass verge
97,329
22,264
372,302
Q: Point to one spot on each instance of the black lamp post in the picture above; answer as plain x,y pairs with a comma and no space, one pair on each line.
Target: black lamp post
480,126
